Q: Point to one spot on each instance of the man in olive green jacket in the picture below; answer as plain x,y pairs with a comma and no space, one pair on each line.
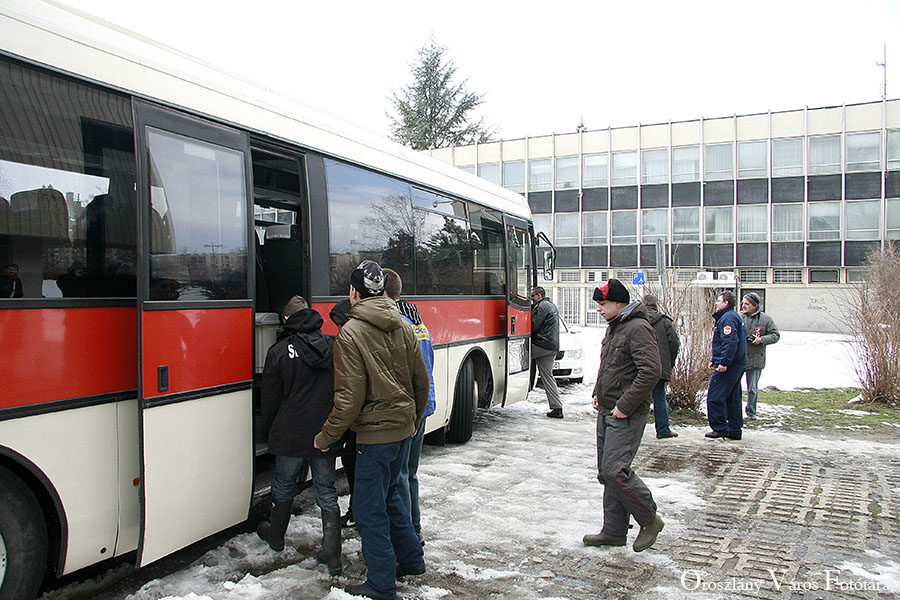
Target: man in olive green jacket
381,386
629,370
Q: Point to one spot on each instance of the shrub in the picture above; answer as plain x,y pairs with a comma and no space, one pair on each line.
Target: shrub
874,320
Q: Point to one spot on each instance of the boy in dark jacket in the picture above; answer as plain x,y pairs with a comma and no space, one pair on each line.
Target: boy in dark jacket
297,397
668,342
629,368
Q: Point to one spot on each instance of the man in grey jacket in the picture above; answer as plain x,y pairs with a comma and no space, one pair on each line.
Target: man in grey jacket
761,331
545,345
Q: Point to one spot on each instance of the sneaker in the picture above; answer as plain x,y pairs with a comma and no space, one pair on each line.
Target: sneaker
556,413
716,434
603,539
404,570
347,520
363,589
649,533
663,436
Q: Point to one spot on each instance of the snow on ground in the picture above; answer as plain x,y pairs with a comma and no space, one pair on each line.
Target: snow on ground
504,507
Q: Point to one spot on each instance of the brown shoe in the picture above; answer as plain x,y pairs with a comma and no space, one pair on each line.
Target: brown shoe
663,436
603,539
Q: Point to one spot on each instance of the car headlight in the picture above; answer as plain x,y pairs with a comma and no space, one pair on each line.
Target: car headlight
575,354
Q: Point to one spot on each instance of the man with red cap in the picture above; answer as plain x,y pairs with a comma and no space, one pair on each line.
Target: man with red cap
629,370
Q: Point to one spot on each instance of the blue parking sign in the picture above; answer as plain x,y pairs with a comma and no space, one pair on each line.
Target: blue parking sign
637,279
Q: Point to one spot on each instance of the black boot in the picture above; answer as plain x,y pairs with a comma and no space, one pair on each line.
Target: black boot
330,554
272,531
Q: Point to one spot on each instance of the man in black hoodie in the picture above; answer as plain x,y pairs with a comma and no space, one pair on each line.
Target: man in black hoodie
297,397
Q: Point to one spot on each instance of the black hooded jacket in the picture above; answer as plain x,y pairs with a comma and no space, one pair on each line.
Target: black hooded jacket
298,386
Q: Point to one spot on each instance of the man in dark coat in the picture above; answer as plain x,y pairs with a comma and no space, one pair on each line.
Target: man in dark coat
629,369
729,359
297,397
669,345
761,331
545,345
10,284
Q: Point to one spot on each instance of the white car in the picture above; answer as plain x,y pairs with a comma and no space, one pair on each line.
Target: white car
569,363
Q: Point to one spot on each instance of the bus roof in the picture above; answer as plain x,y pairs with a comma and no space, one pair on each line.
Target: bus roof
69,40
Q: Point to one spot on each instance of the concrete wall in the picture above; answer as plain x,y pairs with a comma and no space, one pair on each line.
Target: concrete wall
802,308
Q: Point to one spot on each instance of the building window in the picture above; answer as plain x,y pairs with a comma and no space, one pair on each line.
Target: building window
654,225
787,157
787,222
825,221
543,224
719,164
856,275
892,227
567,229
825,155
570,276
540,173
596,170
685,225
862,220
566,172
569,305
753,276
752,223
787,276
823,275
490,171
624,227
655,166
594,228
470,169
686,164
592,317
624,168
893,149
719,224
685,275
597,275
752,159
514,176
864,151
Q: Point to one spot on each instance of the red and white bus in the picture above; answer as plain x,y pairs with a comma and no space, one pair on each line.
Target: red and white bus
156,214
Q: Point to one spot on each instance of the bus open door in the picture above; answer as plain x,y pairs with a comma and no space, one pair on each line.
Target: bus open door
194,330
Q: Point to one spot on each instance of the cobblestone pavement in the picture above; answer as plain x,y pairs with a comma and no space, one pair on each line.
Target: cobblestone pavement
804,522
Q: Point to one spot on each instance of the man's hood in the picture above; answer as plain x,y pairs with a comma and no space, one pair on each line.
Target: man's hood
378,311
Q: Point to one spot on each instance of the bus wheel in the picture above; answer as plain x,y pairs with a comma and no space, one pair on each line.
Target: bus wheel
23,539
463,416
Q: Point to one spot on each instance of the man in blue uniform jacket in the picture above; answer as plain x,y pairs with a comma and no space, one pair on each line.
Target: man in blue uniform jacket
729,360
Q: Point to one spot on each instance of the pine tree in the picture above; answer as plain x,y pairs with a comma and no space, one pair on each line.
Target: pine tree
433,111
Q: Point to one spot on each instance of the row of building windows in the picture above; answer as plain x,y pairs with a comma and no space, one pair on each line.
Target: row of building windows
861,221
863,152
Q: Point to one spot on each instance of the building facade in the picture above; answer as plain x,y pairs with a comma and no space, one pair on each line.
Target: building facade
792,202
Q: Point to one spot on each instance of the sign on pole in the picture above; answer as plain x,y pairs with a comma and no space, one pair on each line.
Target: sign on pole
637,278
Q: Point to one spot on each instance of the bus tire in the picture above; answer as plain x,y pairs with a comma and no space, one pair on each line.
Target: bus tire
23,539
462,418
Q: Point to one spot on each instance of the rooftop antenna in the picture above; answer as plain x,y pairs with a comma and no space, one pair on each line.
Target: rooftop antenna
883,64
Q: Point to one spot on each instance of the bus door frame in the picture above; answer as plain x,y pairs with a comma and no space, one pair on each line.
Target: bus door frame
518,315
195,437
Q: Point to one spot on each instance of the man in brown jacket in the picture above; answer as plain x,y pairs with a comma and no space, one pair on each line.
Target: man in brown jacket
381,388
629,369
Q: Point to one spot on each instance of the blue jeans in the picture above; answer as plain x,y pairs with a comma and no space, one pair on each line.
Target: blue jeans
290,472
388,537
752,390
660,408
409,480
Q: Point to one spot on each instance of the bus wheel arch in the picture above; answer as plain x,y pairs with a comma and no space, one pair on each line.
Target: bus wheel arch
24,541
473,389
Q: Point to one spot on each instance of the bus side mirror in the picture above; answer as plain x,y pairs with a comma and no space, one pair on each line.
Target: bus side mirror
548,265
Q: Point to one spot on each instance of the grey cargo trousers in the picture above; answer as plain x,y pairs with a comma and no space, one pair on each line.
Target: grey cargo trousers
624,493
544,359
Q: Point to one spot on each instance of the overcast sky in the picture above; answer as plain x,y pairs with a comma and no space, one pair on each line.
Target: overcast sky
544,66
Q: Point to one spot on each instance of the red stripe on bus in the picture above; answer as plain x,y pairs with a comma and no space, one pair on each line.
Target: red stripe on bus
202,348
58,353
460,320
